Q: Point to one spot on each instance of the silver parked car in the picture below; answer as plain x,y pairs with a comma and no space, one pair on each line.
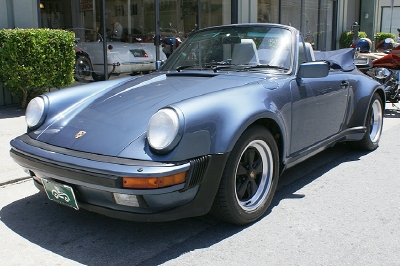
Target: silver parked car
122,57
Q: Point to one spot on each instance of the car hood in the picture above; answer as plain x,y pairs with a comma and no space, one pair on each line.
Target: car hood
110,122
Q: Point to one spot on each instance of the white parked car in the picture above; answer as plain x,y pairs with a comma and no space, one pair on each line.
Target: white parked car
122,57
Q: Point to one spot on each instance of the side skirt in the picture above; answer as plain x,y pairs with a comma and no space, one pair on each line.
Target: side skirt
351,134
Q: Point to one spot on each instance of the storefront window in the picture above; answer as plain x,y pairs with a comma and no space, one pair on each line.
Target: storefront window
313,18
291,13
177,19
325,26
309,21
268,11
130,30
215,12
390,17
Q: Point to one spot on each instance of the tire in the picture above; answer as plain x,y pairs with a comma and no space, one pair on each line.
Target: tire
250,178
374,125
97,77
83,69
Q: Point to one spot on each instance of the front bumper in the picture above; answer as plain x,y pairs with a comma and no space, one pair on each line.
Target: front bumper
96,179
132,67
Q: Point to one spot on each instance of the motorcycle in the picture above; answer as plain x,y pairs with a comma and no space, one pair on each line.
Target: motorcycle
386,69
169,45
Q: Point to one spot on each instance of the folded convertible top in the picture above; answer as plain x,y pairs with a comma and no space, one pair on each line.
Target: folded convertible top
338,59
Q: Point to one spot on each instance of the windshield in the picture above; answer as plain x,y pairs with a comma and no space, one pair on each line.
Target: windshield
237,48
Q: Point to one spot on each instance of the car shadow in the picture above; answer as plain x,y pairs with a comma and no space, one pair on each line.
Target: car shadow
306,172
93,239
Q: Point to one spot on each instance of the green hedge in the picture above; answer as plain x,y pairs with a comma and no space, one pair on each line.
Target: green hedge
380,36
346,39
34,60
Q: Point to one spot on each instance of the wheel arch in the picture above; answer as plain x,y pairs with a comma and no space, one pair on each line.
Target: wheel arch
360,113
364,89
382,94
272,124
237,201
82,53
273,127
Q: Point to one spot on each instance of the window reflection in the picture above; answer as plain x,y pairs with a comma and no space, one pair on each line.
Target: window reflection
178,18
268,11
313,18
130,30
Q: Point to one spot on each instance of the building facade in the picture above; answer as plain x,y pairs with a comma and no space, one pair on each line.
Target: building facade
321,21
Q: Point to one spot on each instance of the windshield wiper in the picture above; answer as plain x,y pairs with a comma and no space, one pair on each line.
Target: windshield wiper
179,68
267,66
215,66
219,63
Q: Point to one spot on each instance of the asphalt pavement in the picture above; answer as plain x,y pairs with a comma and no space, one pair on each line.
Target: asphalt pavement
338,208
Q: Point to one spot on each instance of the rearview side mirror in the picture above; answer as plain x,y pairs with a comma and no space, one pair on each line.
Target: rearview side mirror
317,69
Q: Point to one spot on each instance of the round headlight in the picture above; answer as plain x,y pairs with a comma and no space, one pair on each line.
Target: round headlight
381,73
162,131
35,112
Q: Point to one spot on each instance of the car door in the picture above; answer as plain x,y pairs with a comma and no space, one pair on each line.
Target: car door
318,109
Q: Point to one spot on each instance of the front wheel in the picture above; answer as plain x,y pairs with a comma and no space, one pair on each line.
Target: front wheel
374,125
83,69
97,77
250,178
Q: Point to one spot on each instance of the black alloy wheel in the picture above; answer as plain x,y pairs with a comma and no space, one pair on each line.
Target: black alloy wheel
250,178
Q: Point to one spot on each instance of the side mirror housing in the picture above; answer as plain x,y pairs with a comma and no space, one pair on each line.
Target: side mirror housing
318,69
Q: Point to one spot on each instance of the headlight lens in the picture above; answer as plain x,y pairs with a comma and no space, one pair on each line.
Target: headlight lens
163,129
382,73
35,112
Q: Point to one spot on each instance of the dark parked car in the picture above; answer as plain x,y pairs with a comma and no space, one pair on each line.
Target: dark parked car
230,110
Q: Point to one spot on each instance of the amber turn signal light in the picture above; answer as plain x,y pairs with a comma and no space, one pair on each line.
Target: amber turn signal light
153,182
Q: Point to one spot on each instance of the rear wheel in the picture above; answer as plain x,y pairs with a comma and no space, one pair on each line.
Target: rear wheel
83,69
374,125
250,178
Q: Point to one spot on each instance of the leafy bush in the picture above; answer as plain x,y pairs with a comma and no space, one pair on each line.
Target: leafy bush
33,60
380,36
346,39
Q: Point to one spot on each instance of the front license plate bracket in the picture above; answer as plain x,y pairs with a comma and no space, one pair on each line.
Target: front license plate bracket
60,193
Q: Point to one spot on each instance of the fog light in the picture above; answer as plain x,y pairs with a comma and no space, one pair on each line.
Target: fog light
127,200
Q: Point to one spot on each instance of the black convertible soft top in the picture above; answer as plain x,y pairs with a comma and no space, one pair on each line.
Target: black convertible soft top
338,59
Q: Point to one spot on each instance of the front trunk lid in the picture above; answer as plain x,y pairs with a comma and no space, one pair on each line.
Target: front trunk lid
111,122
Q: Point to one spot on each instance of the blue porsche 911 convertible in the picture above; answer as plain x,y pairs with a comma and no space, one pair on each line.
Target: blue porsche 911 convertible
211,132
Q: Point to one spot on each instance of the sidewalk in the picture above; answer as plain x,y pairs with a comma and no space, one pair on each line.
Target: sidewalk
12,124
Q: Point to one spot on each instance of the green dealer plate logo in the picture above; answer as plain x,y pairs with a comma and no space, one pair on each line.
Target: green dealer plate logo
60,193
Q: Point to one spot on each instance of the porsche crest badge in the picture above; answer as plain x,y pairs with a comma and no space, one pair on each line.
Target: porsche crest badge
80,134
